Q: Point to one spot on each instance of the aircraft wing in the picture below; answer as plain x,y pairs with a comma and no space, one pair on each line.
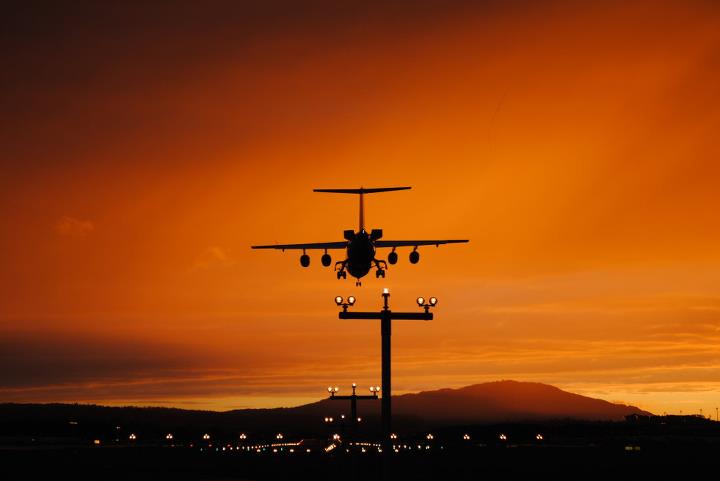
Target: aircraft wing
415,243
315,245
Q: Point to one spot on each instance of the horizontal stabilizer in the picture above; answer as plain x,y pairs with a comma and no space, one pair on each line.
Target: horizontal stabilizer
416,243
311,245
361,190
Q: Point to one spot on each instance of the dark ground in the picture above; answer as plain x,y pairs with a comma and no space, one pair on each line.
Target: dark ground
500,462
54,448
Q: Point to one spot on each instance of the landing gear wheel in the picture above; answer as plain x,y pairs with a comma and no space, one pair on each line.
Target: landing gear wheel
380,273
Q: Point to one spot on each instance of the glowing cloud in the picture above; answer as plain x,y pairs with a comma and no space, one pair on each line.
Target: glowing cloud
72,227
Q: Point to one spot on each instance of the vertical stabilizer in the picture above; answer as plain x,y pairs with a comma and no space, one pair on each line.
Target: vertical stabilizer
362,211
361,191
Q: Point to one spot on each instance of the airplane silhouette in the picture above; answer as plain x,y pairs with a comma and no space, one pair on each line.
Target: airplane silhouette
360,245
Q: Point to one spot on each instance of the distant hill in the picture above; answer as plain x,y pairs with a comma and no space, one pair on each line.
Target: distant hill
494,402
504,401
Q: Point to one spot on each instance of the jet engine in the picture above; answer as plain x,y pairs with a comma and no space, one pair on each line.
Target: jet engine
414,257
392,258
304,260
326,259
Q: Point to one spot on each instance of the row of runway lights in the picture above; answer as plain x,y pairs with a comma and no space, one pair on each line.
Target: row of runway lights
279,436
364,447
292,447
336,438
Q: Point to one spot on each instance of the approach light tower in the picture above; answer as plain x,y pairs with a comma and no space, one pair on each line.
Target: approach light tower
374,391
386,316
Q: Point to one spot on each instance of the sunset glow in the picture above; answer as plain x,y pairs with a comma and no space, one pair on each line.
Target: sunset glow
144,149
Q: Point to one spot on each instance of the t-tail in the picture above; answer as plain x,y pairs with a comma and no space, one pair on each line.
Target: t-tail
361,191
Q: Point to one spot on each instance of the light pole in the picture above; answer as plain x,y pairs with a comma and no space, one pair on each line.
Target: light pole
386,316
374,390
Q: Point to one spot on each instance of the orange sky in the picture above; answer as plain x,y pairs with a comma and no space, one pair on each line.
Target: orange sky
144,149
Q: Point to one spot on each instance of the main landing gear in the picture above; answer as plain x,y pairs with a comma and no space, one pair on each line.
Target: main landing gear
341,273
381,267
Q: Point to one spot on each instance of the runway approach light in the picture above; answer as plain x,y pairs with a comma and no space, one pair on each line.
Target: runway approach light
345,303
427,303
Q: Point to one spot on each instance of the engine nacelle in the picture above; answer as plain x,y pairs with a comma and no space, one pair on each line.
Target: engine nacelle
392,258
414,257
326,259
304,260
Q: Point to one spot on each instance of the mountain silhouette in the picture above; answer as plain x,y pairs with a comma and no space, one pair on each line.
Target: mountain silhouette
504,401
494,402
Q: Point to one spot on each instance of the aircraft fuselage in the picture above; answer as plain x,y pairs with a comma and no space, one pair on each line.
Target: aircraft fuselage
360,254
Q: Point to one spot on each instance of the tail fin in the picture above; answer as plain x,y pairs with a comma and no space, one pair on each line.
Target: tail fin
361,191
